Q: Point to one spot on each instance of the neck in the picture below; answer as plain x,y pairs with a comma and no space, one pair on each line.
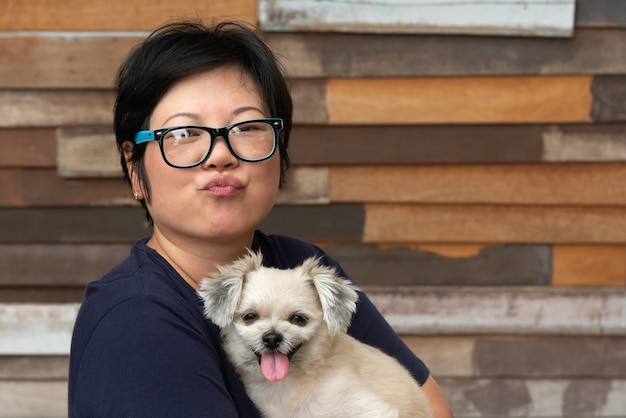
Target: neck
194,260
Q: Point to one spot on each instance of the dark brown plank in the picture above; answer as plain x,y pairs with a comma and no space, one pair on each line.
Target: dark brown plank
73,225
509,265
27,147
43,187
589,51
107,225
600,13
33,367
335,222
57,265
609,98
411,144
41,294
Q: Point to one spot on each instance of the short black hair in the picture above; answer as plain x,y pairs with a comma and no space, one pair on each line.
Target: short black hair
183,48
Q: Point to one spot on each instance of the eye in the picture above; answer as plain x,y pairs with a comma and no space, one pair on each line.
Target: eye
298,319
249,317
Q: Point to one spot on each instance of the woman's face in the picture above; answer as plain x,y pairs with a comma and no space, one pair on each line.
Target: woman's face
223,198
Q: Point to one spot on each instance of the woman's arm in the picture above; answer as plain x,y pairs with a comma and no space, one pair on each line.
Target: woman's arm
438,403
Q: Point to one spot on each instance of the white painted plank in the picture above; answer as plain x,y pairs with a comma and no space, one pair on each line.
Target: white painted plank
501,17
31,329
36,328
585,147
575,311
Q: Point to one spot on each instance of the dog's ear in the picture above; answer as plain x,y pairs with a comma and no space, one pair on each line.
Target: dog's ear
338,296
221,291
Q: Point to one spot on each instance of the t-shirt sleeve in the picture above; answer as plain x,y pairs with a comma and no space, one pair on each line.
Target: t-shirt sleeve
369,326
144,359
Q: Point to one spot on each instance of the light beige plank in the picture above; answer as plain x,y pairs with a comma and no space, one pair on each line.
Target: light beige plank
460,100
598,265
588,145
33,108
539,184
45,399
494,224
114,15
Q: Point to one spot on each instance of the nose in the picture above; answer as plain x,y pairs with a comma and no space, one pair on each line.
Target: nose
220,155
272,339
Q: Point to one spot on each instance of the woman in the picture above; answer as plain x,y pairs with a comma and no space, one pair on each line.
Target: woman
141,346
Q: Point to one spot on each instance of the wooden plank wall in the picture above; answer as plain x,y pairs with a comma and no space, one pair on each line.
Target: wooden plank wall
475,184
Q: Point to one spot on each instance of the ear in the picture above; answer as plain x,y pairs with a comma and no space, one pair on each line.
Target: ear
131,166
221,291
338,296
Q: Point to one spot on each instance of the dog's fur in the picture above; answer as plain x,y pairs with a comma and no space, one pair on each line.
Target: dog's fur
303,313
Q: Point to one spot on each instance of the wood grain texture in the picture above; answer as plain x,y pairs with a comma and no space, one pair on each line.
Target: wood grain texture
505,17
43,108
495,224
589,51
114,15
538,398
597,265
27,148
57,264
585,143
510,184
44,188
33,399
600,13
60,60
389,265
609,94
459,100
420,310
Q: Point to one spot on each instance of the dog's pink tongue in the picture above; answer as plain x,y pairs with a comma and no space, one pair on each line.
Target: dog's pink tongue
274,366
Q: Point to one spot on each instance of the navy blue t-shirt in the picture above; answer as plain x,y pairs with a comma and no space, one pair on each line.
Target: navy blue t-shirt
142,348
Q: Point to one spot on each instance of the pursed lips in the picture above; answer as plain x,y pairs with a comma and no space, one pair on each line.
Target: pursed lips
223,186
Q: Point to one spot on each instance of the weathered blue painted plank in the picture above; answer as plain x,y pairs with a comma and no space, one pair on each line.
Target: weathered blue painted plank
494,17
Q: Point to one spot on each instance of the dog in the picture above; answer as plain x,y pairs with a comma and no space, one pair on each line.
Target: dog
284,331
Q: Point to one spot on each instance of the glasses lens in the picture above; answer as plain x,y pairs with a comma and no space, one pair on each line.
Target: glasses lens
253,140
186,146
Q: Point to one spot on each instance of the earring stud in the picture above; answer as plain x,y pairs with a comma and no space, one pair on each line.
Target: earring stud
136,194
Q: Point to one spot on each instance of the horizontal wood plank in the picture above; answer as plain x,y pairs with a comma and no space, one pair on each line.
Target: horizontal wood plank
114,15
541,184
609,98
90,60
388,265
352,144
589,51
41,108
45,329
521,356
459,100
58,264
495,224
497,310
27,148
29,367
540,398
505,17
597,265
33,399
600,13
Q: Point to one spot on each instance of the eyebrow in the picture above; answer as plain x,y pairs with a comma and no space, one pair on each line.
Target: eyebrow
196,116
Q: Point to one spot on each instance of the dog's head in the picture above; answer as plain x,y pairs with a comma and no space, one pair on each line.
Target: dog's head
267,314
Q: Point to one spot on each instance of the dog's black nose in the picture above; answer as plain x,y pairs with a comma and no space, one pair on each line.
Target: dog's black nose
272,339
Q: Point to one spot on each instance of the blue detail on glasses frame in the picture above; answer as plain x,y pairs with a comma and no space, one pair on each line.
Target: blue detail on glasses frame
151,135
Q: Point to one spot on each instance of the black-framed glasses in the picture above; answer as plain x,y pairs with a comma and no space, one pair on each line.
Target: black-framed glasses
189,146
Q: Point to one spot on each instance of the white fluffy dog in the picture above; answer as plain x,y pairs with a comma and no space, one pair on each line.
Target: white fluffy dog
284,332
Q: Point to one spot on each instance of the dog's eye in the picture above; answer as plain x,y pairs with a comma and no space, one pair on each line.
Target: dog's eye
298,319
249,317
